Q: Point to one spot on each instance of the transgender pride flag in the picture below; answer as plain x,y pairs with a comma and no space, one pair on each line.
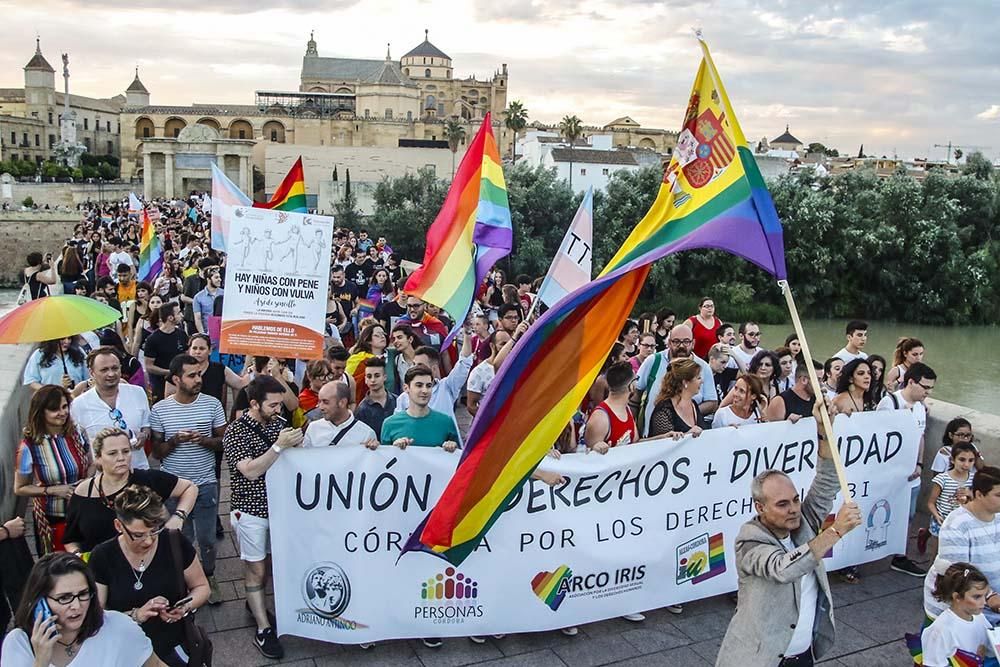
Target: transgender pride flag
225,197
571,267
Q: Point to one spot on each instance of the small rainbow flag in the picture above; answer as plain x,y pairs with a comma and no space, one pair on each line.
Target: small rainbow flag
291,193
150,254
547,585
471,232
712,196
960,659
716,559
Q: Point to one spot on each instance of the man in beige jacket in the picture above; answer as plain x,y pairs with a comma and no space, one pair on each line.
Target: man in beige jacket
785,612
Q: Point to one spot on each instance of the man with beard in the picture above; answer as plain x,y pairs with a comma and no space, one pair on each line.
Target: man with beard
680,345
204,300
252,444
187,430
749,345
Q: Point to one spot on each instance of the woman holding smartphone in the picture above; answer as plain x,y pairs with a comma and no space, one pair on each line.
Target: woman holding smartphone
137,573
61,622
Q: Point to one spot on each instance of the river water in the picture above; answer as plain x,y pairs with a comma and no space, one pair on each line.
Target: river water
964,358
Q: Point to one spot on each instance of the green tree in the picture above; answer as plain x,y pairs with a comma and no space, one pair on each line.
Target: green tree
541,208
404,209
454,132
571,129
978,166
346,210
516,120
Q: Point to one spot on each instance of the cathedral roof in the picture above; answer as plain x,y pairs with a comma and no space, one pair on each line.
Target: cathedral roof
427,49
390,73
339,69
786,138
136,85
38,61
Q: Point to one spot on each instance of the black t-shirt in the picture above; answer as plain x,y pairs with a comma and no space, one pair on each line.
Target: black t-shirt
162,348
346,294
89,521
724,381
359,274
113,570
192,285
387,310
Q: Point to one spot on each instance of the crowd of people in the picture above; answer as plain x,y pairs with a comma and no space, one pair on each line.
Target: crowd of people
129,428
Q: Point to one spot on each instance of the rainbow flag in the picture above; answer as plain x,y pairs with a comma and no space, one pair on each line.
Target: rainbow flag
291,193
225,197
960,659
716,559
712,196
471,232
150,254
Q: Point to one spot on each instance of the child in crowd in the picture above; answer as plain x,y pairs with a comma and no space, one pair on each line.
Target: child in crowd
961,627
949,489
957,430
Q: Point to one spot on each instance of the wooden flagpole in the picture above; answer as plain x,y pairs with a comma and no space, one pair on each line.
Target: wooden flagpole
817,389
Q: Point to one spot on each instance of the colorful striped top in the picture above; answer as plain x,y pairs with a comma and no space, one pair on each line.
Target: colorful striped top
55,460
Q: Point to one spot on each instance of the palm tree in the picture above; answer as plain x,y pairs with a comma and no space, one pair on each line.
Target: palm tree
516,120
571,129
454,132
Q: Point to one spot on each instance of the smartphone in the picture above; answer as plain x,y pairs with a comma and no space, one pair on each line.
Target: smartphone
42,609
180,603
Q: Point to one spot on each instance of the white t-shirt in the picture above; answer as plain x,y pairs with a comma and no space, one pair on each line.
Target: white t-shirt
846,356
949,633
802,637
117,258
742,358
93,415
919,414
481,377
942,460
726,417
321,433
119,643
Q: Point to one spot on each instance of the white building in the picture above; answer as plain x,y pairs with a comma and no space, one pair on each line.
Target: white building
593,160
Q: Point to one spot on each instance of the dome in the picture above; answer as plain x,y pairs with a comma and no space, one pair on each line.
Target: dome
426,50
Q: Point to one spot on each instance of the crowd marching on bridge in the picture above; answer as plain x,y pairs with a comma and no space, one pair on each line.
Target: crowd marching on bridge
130,425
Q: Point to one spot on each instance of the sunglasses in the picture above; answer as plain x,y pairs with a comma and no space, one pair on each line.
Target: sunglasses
118,418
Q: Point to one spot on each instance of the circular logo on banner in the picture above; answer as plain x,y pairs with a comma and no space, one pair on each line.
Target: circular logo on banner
327,590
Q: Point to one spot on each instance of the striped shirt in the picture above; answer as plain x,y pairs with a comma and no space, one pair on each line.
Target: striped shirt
946,502
964,538
188,460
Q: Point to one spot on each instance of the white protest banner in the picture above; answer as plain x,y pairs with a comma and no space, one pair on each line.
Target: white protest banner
641,527
276,283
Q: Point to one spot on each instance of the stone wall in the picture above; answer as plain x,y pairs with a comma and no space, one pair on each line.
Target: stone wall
29,231
70,194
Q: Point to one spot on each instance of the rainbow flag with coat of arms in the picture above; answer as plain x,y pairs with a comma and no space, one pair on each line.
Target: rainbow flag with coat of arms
712,196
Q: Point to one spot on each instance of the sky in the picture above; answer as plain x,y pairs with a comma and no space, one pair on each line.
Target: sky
895,76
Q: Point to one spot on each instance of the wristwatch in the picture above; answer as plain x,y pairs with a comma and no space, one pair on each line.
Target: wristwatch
275,448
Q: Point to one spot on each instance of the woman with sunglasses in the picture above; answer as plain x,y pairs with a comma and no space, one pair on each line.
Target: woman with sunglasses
73,630
52,457
90,517
137,573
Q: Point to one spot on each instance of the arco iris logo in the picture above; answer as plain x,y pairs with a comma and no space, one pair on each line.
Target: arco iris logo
449,585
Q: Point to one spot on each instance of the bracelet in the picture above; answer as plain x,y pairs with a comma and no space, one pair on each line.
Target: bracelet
181,513
6,530
275,448
836,531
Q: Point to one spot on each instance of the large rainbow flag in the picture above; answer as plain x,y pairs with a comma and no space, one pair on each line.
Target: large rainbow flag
712,196
150,254
471,232
291,193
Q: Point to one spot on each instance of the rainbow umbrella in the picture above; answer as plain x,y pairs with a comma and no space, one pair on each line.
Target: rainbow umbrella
54,317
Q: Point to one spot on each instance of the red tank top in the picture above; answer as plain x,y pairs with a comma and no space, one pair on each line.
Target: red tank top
704,338
623,431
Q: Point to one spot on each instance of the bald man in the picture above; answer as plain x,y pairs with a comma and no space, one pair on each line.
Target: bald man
680,345
338,426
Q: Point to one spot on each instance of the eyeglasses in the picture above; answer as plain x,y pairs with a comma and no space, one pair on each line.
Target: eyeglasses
681,341
142,536
647,345
925,387
752,334
66,599
118,418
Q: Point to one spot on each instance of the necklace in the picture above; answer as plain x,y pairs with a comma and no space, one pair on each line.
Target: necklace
138,577
71,648
107,501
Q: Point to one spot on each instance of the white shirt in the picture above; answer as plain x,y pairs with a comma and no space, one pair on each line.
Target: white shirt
802,637
117,258
726,417
847,357
93,415
321,433
948,633
742,358
919,414
481,377
644,382
119,643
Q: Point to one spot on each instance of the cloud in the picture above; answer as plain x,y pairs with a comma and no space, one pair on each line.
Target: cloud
993,113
